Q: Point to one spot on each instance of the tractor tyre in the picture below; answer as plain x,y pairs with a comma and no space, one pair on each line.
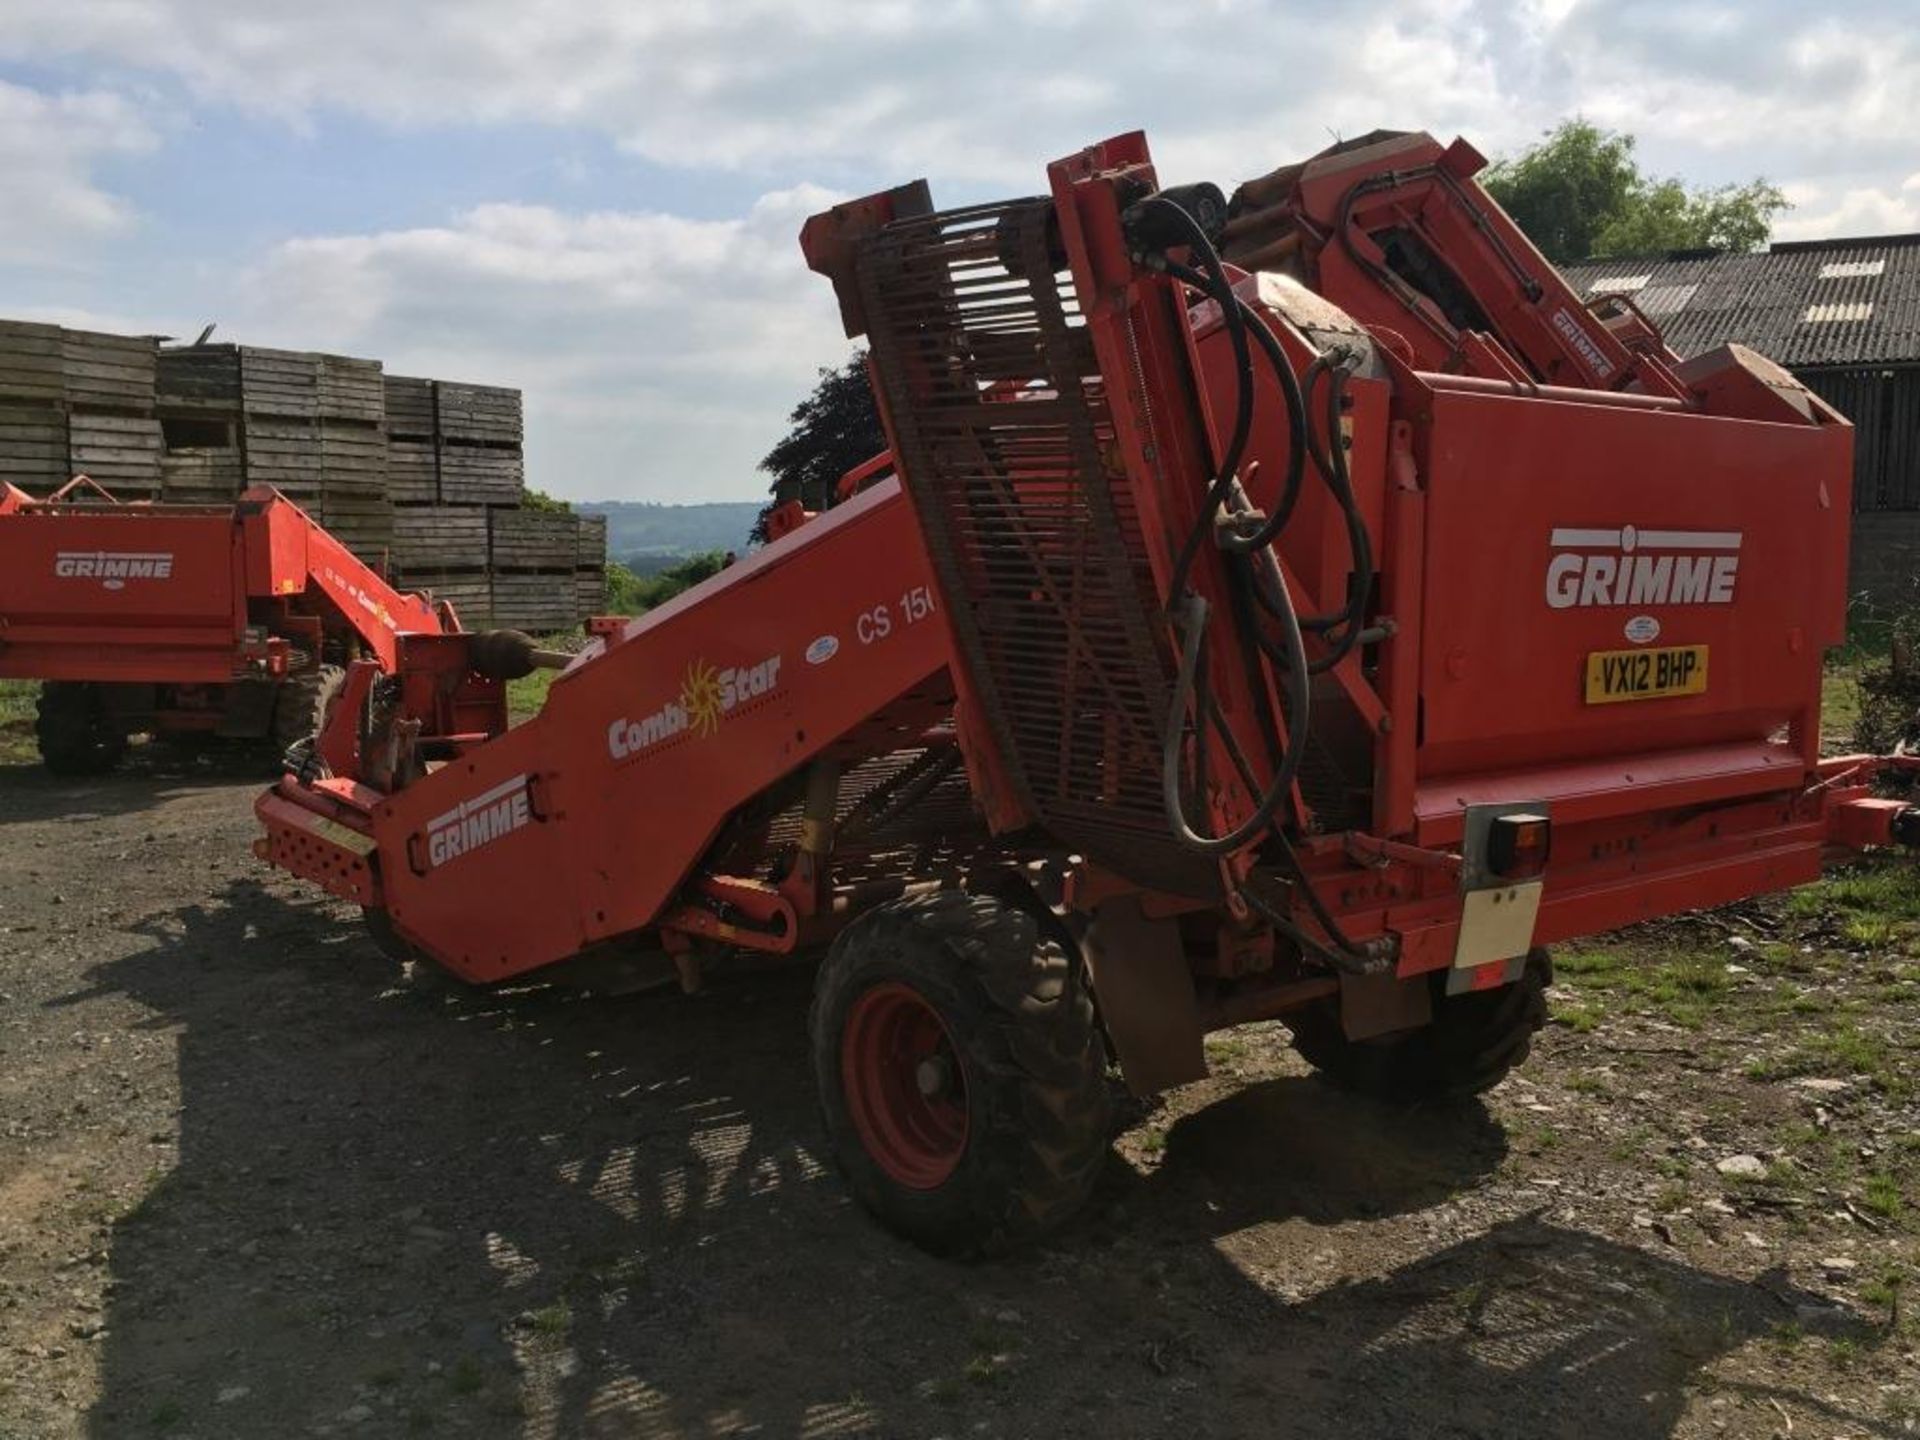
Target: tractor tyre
306,699
77,736
1474,1040
961,1072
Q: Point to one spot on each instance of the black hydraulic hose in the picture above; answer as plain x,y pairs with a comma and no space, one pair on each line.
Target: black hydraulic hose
1192,666
1297,426
1321,913
1211,278
1340,481
1190,691
1332,464
1297,419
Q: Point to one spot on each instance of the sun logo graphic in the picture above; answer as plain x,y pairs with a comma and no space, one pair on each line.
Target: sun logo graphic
700,697
707,696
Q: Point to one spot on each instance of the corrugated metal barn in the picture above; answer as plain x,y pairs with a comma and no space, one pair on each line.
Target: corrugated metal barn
1844,316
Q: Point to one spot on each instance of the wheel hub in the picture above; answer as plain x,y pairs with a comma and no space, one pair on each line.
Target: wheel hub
904,1085
934,1075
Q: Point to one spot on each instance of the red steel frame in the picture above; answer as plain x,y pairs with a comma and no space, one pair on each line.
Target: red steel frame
1471,453
184,594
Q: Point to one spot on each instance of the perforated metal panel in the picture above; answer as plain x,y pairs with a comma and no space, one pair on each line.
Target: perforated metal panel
1005,447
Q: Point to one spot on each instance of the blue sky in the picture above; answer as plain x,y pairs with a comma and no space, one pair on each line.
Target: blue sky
597,202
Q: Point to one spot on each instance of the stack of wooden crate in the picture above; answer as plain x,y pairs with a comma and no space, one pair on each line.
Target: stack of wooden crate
534,553
198,399
590,567
112,434
443,548
480,431
440,527
423,478
33,411
413,458
312,426
350,400
280,421
73,402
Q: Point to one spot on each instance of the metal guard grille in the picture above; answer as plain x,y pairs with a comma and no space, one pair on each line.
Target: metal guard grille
1006,450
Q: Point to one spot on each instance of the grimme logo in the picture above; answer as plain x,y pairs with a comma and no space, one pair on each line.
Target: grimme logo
1577,337
1643,567
707,696
113,568
479,821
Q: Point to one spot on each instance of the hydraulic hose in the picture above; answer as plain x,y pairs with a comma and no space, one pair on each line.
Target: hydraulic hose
1252,570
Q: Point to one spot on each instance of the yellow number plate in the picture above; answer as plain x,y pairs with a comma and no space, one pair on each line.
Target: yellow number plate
1614,675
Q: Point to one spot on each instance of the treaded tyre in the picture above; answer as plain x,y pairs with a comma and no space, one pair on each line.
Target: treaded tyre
960,1072
1475,1040
306,698
75,734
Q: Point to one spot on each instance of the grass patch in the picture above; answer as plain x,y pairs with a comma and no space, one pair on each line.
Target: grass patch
983,1370
17,700
554,1319
1886,1291
1868,891
1598,968
1684,989
1882,1195
1581,1019
1226,1049
466,1377
526,695
1869,642
1841,1052
1840,701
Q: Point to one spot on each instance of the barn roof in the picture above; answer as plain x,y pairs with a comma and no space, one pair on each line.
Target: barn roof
1803,303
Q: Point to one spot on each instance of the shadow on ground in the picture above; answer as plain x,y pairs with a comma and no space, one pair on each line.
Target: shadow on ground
151,773
401,1212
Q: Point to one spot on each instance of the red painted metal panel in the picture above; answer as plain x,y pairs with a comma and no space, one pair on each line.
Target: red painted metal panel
95,586
585,821
1550,527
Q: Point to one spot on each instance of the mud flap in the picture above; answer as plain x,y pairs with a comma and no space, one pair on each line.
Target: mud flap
1373,1005
1144,992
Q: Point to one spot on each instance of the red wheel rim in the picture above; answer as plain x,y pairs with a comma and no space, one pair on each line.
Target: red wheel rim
904,1084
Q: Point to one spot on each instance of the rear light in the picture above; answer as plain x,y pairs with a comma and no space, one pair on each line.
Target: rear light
1518,845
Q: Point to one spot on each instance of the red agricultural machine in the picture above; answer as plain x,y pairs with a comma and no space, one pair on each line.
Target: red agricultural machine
1296,606
184,621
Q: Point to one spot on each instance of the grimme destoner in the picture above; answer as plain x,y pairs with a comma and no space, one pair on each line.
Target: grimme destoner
1296,605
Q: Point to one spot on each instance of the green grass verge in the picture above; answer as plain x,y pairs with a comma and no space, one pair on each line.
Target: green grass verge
16,719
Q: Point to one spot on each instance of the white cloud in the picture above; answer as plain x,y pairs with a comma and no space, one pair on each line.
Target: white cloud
1792,86
1824,210
49,146
974,89
659,355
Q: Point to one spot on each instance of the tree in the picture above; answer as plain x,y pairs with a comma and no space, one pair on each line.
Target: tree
834,429
1580,193
631,594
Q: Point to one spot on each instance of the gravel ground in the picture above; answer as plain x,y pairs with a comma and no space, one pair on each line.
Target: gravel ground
253,1183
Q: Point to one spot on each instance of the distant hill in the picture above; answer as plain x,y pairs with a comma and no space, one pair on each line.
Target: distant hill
648,536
